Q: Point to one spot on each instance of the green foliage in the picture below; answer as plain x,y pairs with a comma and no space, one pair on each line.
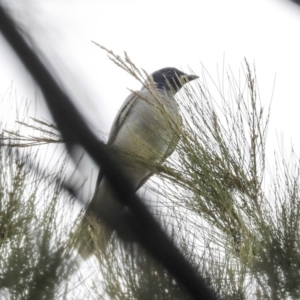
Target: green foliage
34,261
210,196
245,237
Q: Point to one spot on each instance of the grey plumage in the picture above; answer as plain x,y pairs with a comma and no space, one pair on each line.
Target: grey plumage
146,130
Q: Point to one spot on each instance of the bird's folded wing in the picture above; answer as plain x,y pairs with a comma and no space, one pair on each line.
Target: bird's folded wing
125,110
122,115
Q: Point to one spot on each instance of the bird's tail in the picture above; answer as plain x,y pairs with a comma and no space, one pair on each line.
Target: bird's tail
90,237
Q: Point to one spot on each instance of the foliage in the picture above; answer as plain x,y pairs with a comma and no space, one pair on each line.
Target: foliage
35,262
210,196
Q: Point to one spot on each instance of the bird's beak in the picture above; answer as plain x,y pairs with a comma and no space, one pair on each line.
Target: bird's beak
188,78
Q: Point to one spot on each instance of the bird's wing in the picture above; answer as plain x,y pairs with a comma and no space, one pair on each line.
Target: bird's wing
123,113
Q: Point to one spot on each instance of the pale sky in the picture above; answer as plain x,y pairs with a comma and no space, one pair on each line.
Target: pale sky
159,34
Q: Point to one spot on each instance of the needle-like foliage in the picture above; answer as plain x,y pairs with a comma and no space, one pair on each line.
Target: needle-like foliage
244,235
34,260
235,222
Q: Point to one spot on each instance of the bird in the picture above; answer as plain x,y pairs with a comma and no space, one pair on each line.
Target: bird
145,131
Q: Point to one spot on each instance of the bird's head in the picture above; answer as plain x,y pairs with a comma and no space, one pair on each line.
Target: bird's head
171,79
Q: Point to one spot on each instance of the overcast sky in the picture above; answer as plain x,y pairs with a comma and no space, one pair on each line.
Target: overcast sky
157,34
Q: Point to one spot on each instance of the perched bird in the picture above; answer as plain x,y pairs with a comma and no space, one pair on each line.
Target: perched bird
146,130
